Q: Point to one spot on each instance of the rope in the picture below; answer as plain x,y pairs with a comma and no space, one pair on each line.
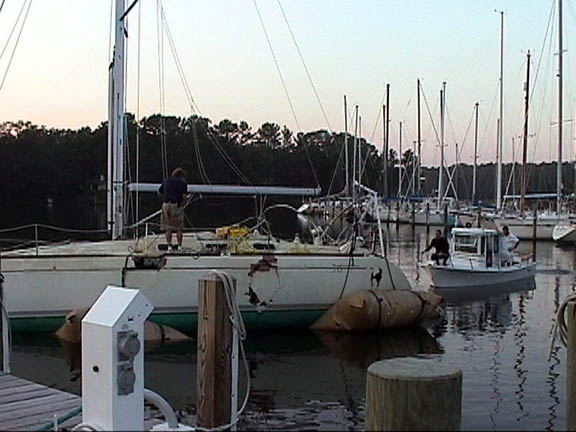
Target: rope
560,329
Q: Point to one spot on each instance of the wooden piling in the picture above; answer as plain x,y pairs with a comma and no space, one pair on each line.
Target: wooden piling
446,228
413,394
571,372
397,214
214,383
427,219
534,233
479,218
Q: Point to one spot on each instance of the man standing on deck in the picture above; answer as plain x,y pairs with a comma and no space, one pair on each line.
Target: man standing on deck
173,191
442,252
508,242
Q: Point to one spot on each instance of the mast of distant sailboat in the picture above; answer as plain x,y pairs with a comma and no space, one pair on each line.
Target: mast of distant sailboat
500,140
559,166
524,183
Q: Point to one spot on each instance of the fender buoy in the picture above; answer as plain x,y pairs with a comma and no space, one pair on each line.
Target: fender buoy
379,309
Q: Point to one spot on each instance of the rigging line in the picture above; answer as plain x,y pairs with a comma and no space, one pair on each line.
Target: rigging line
379,115
487,120
13,29
539,122
203,175
305,67
2,5
277,66
160,47
285,90
194,106
336,169
178,63
15,46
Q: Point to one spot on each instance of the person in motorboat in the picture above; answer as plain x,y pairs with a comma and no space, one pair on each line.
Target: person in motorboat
508,242
442,248
173,191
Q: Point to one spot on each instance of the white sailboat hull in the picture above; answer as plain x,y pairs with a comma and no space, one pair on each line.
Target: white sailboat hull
51,286
564,233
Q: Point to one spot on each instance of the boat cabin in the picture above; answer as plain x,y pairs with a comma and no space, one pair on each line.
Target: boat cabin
483,244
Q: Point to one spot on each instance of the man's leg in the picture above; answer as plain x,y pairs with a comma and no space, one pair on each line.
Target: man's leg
169,236
179,236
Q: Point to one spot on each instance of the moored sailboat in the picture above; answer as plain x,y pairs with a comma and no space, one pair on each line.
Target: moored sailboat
279,283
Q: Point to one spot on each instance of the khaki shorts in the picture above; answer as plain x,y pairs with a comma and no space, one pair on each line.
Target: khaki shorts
172,217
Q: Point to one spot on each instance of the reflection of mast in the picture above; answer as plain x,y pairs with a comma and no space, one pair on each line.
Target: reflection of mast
519,363
553,363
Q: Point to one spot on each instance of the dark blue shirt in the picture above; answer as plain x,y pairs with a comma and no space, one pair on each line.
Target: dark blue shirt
173,190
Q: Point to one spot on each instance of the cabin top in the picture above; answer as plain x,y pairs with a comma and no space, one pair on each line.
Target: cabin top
473,232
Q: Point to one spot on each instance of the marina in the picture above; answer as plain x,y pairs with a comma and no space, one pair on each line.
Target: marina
489,335
168,271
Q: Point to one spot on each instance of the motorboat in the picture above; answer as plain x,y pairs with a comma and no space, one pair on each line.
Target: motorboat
476,260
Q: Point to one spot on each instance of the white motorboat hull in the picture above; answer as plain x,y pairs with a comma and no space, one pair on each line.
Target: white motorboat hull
458,277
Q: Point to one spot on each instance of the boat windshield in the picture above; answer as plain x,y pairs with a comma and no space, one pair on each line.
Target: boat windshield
466,243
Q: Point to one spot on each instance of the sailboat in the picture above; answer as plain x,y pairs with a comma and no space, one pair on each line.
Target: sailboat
279,283
522,225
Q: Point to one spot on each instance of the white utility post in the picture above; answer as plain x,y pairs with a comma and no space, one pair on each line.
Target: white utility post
113,360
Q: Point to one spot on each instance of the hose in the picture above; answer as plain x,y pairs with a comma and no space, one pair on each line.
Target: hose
61,419
164,407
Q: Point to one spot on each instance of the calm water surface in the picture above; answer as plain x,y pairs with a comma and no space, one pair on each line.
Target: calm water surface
303,380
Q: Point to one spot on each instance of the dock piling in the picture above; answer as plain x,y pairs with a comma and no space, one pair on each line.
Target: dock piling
571,368
215,346
534,233
431,395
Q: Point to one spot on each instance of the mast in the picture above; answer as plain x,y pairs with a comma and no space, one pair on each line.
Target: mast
501,119
475,153
524,182
359,149
441,170
115,193
347,190
386,142
355,151
559,166
400,162
419,171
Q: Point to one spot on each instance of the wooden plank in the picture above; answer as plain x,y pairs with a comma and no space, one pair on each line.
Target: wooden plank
18,395
36,405
36,415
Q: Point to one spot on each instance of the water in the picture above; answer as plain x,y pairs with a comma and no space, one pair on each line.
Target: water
302,380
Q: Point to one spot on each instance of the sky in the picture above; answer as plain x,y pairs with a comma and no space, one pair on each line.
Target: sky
58,74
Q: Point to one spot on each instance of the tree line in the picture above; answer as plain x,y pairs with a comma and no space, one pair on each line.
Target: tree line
40,163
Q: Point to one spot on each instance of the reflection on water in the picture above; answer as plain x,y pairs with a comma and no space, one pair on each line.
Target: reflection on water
304,380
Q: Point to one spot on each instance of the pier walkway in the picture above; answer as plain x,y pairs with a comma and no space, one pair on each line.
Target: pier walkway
25,405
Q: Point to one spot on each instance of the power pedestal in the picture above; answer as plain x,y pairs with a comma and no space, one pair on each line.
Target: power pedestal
113,360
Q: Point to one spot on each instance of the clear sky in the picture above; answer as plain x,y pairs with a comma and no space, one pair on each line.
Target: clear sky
59,71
